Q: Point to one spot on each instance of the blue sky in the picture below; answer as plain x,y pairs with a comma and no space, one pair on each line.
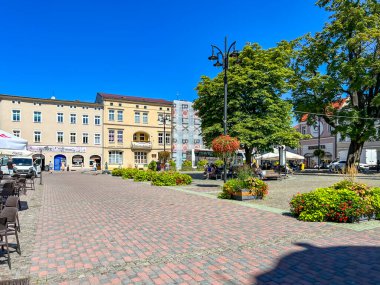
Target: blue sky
156,49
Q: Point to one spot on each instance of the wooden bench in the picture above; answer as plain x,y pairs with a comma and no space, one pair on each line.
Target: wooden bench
271,175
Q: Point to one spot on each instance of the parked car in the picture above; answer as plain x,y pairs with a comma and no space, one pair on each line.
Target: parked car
338,166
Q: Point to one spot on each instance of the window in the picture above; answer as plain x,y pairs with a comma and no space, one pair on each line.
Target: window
97,139
120,115
120,136
97,120
185,106
160,118
137,106
120,104
16,133
111,115
137,117
142,137
37,136
197,141
16,115
160,138
140,157
145,118
185,121
85,138
145,107
73,137
111,104
115,157
185,141
60,117
167,136
73,118
37,117
60,137
85,119
303,130
111,136
197,122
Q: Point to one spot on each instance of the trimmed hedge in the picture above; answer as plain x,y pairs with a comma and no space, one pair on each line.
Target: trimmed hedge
343,202
165,178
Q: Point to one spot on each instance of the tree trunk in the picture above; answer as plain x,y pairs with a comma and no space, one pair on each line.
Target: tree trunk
354,152
248,155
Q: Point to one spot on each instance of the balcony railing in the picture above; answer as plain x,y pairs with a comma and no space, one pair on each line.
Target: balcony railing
141,145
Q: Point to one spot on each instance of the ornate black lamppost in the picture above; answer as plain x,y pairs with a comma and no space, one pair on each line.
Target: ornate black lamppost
222,60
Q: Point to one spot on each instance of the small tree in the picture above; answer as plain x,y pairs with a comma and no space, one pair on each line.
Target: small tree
163,156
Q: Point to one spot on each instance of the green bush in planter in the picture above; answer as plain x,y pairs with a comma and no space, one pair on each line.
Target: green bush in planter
201,164
141,175
187,165
219,163
173,165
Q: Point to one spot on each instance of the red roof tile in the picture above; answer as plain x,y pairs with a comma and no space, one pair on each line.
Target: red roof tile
134,99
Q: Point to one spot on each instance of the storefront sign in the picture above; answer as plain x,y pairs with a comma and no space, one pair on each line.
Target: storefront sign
60,149
322,146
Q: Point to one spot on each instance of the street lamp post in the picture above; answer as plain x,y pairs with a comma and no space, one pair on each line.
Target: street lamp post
163,119
41,166
224,57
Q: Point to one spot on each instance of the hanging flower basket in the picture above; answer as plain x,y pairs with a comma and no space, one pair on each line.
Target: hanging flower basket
225,145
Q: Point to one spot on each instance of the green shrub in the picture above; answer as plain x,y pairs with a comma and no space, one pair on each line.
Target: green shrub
201,164
219,163
164,179
173,165
141,175
152,165
224,195
244,172
182,179
129,173
187,165
256,187
117,171
328,204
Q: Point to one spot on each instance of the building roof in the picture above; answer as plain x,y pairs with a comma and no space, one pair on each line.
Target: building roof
336,105
107,96
48,101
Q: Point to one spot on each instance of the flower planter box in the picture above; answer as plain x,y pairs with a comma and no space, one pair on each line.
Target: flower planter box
244,195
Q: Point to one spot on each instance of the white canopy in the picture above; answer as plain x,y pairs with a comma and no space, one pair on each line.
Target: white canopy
275,156
12,145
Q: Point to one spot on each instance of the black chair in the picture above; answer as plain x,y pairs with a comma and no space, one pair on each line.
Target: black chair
30,182
10,213
4,242
13,202
8,190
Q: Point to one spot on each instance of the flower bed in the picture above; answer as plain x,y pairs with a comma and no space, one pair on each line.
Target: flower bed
165,178
247,189
343,202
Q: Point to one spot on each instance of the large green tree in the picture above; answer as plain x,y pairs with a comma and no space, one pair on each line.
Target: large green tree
257,114
338,71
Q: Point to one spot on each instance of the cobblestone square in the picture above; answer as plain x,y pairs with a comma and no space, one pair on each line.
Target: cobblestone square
97,229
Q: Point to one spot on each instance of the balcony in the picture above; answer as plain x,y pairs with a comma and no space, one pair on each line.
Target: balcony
141,145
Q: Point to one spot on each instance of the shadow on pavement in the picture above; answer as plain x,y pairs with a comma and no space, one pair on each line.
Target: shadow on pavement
330,265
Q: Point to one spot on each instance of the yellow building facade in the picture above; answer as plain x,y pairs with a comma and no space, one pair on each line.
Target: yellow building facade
66,133
135,129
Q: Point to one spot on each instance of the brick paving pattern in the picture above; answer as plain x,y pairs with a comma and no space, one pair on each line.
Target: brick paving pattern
98,229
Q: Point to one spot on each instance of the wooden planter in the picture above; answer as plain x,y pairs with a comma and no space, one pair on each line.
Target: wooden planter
244,195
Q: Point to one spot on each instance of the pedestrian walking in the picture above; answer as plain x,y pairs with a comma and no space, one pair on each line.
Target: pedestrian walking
10,166
50,167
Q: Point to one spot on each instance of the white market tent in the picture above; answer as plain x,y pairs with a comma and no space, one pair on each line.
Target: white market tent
275,156
12,145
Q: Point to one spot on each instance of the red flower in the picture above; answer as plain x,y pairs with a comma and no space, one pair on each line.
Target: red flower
225,144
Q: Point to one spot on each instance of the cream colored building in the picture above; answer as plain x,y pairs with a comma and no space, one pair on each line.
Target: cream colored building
68,132
135,129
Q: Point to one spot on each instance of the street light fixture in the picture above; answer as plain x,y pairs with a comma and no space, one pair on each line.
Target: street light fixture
224,57
163,119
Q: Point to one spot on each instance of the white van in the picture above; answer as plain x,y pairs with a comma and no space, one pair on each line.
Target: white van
22,165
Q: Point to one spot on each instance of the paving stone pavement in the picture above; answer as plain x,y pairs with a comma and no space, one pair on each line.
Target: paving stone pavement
98,229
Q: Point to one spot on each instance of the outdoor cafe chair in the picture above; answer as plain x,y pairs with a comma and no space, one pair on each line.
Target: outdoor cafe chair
13,202
8,190
30,182
10,213
4,242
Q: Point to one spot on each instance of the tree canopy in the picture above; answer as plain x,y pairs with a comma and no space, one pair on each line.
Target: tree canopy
337,71
257,114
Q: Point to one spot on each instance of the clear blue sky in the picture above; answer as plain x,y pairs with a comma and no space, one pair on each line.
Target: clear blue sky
140,48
